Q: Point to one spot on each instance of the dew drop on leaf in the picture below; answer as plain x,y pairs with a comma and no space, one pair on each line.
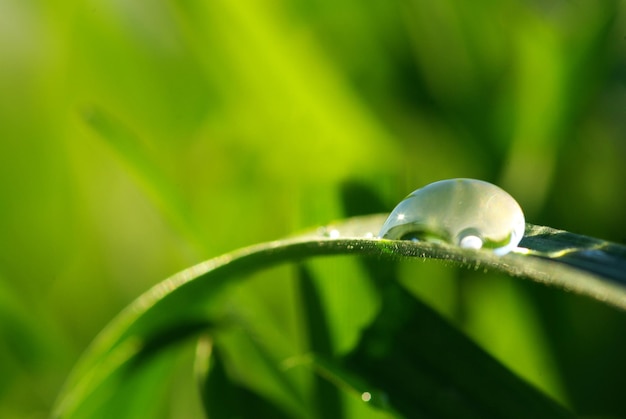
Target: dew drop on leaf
468,213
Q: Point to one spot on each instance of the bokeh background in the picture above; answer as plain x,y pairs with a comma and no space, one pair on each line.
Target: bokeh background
140,137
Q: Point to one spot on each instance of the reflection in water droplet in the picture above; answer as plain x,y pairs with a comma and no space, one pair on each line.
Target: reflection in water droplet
366,396
466,212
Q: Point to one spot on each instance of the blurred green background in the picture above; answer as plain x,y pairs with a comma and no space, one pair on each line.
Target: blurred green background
140,137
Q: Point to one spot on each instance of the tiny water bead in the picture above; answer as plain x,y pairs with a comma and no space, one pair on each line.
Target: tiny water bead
468,213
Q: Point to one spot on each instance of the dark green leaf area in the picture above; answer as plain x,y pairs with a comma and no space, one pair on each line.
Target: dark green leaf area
326,397
427,368
358,198
224,398
589,338
168,337
589,254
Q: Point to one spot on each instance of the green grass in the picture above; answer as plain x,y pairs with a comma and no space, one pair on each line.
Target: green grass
139,139
408,360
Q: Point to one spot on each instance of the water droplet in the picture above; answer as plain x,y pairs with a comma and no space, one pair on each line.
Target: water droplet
366,396
466,212
329,232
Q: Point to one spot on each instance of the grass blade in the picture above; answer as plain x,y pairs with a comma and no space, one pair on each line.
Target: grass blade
223,398
326,397
184,298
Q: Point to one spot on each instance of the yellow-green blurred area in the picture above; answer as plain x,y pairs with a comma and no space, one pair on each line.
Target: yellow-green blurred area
140,137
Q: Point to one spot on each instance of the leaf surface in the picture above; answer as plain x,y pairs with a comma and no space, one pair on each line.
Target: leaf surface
588,266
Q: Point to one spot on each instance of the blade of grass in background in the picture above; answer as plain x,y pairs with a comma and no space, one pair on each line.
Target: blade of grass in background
223,397
142,162
326,399
424,365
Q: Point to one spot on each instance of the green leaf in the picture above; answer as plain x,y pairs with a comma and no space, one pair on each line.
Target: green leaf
371,401
326,397
426,367
552,257
224,398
